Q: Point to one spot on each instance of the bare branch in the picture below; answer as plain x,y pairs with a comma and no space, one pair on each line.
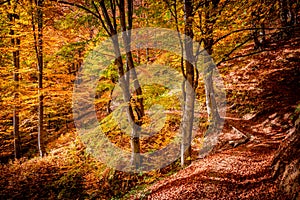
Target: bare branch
244,29
4,2
100,17
170,6
76,5
107,18
178,32
238,46
198,6
242,56
237,31
130,13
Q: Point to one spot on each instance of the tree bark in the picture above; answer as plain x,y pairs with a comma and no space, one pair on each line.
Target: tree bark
211,104
188,112
125,78
135,133
40,79
38,39
15,41
210,19
108,19
126,36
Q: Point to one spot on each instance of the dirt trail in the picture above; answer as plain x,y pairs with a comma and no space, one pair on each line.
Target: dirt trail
263,91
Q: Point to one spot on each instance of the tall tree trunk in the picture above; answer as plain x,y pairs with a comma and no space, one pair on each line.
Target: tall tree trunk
135,132
111,23
139,109
126,36
209,21
15,41
40,79
211,104
38,39
208,15
188,112
107,12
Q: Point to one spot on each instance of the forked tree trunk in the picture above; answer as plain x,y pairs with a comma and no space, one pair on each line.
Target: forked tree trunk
107,13
126,36
135,141
139,109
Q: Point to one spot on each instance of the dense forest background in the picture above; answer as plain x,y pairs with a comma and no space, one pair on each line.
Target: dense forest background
254,45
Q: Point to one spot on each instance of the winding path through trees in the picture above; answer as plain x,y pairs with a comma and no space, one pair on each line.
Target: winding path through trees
263,93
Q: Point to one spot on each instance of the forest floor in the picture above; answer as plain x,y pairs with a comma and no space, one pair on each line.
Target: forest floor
262,95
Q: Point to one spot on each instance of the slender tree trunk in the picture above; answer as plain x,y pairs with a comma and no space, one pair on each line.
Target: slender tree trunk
208,16
16,118
124,79
139,109
126,36
188,112
211,104
40,79
16,62
209,21
135,133
39,54
108,20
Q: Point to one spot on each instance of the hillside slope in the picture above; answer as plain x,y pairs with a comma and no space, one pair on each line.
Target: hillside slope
263,93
